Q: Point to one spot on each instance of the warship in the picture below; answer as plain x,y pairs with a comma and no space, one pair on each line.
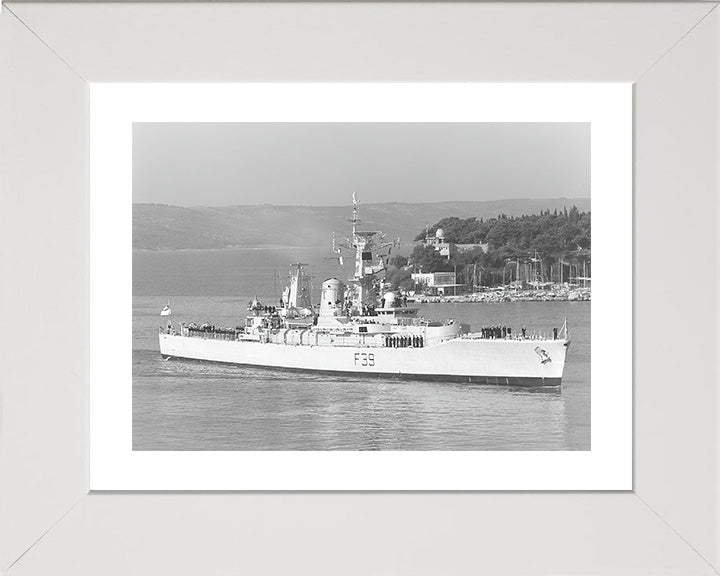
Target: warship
360,329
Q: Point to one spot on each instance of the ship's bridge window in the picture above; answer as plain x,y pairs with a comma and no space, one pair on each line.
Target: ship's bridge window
367,255
362,328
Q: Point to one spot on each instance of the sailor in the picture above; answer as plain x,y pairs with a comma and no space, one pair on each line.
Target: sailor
523,331
554,333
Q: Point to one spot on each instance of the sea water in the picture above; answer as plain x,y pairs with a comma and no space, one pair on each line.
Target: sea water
188,405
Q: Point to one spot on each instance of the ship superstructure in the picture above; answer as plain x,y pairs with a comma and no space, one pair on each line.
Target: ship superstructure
359,328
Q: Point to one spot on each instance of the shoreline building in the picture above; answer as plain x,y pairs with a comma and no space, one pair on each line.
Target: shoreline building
438,283
448,249
438,242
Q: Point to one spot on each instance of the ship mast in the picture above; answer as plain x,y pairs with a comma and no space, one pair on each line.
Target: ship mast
299,291
366,244
359,241
355,213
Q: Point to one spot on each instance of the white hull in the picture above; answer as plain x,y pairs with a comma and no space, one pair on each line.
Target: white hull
501,361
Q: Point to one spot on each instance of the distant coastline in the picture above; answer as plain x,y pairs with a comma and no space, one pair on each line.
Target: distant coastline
248,248
161,227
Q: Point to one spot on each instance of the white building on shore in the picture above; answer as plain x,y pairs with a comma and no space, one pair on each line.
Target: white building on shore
444,283
448,249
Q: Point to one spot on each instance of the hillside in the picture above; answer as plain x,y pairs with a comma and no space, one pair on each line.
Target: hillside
163,227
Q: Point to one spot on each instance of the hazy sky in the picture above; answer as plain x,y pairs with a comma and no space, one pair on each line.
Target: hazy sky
199,164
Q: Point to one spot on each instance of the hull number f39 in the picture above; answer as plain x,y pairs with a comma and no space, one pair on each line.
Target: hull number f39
363,359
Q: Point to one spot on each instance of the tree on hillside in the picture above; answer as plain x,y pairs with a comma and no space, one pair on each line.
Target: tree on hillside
398,261
551,236
427,259
399,278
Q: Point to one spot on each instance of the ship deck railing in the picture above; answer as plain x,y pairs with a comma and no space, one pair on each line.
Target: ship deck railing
514,337
228,335
378,340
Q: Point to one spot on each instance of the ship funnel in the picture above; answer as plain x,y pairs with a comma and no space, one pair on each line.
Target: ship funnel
389,299
331,297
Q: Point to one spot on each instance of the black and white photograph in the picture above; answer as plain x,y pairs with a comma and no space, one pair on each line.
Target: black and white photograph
357,286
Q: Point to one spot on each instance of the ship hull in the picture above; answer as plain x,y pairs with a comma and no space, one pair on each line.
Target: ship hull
500,362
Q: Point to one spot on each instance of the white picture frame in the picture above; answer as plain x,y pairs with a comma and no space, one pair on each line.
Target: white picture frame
668,523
